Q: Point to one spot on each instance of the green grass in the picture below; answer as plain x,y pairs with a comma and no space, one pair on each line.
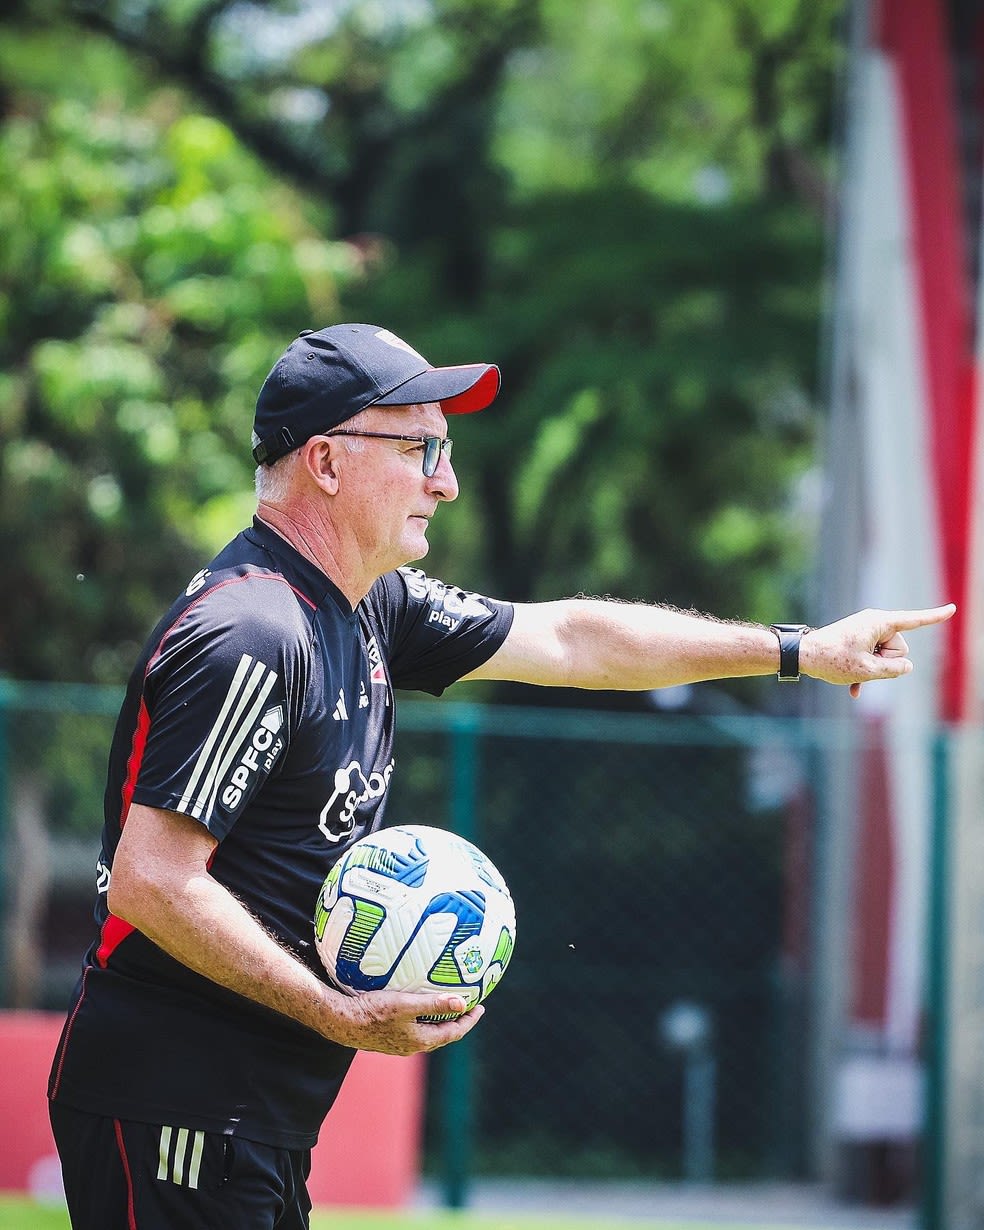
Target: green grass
26,1215
17,1214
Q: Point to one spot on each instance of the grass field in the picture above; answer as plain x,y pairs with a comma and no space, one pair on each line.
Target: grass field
26,1215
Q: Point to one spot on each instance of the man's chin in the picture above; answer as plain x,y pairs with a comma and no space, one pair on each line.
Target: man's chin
417,550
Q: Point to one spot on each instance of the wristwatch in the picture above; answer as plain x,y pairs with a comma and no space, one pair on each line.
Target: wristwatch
789,636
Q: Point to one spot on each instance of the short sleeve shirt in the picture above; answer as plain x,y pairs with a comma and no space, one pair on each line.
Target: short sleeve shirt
262,707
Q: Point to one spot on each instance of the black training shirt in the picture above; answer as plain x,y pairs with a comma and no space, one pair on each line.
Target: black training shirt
262,707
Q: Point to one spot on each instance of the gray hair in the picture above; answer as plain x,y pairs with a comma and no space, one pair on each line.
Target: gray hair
273,482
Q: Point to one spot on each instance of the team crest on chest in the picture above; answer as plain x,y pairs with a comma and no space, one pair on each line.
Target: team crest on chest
377,672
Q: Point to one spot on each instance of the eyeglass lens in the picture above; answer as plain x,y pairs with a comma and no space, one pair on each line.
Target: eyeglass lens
433,447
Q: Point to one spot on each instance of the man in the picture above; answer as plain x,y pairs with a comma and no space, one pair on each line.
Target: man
255,745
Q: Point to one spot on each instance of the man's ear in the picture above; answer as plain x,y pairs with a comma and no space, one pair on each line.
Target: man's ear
320,458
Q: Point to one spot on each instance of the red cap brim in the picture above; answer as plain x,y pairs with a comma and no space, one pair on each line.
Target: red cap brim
460,390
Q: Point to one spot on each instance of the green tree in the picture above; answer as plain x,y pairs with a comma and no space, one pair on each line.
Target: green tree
151,273
654,416
631,229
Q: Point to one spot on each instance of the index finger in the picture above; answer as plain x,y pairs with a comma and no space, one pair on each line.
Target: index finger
905,621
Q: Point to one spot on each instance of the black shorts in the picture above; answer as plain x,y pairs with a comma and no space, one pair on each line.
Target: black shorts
121,1175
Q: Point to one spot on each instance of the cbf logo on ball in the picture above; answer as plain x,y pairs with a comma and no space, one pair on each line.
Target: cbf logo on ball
415,908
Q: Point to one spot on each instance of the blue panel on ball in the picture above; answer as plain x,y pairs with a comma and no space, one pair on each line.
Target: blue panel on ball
467,904
470,910
408,869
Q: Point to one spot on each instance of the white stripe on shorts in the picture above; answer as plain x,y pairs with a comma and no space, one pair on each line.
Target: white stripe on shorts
164,1151
176,1165
196,1159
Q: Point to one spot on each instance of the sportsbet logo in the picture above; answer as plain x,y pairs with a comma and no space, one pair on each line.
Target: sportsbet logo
353,787
263,749
447,606
197,581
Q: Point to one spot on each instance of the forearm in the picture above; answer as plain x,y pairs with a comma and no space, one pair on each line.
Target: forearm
602,644
632,646
202,925
162,886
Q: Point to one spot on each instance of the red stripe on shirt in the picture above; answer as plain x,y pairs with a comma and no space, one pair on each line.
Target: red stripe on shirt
131,1216
137,748
114,932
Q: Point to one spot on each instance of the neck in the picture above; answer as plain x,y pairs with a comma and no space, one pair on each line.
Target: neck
317,540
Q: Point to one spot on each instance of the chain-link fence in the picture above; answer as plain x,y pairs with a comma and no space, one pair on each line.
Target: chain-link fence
54,745
651,1022
658,1016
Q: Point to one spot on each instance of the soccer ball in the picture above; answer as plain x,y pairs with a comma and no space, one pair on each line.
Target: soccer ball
415,908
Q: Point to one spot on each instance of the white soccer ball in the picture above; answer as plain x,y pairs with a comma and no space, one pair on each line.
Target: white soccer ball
415,908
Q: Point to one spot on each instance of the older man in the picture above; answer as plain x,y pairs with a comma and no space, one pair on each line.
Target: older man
204,1045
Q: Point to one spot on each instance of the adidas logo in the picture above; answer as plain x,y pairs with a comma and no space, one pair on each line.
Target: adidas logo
340,712
172,1167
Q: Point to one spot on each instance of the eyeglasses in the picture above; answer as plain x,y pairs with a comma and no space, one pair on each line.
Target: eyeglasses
434,446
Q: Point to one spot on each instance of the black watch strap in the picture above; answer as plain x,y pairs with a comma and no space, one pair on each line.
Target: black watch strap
789,636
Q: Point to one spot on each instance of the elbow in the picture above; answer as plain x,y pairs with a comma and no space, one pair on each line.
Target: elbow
128,896
159,856
118,900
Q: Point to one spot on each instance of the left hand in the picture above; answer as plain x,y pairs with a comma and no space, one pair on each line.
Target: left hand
865,646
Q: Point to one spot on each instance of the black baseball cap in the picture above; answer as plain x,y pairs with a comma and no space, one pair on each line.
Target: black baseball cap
325,377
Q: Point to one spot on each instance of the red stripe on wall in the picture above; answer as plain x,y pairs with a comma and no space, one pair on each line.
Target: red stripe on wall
915,35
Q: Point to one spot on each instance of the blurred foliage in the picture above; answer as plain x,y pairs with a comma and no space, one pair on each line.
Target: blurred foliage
654,416
152,272
619,201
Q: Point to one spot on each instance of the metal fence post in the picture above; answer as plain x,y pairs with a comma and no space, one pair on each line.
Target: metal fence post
933,1210
456,1104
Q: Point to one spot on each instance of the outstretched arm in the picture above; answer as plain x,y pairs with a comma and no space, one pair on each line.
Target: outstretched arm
596,643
